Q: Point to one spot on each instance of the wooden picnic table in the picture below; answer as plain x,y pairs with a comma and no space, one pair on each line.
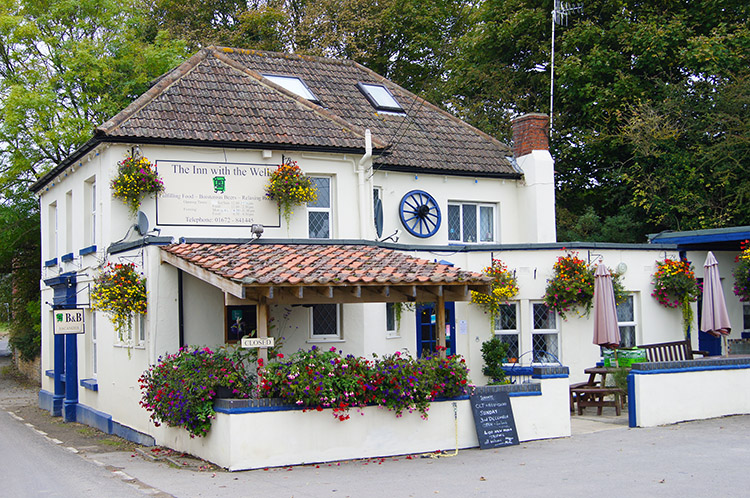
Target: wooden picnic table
593,392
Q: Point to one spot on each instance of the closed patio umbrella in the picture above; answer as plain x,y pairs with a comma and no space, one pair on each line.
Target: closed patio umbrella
714,316
606,331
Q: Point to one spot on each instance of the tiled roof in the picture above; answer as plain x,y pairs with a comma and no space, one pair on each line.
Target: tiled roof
311,264
220,96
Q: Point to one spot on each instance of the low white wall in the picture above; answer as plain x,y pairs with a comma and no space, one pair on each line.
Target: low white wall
690,390
239,441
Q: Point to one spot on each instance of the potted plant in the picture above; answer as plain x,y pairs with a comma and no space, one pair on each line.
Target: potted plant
742,273
120,291
494,354
288,186
675,286
503,288
136,178
572,286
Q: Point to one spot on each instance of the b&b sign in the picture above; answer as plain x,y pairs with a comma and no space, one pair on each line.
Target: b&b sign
69,321
257,342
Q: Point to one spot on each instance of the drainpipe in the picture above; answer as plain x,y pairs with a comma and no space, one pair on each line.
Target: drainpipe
362,166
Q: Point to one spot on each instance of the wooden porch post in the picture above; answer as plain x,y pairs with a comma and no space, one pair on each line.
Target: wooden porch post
262,320
440,321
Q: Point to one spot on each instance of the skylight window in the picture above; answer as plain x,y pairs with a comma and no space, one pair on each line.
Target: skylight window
380,98
294,85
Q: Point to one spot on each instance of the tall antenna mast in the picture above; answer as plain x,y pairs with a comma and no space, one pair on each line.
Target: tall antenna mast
559,16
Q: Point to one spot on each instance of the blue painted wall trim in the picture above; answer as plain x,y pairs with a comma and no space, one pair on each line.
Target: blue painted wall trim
689,369
67,257
527,393
632,422
132,435
87,250
45,400
50,262
90,384
550,376
94,418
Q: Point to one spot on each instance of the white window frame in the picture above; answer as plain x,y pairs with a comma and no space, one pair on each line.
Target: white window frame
390,308
630,323
52,231
293,84
135,337
318,209
553,331
515,332
94,345
68,222
90,216
337,337
477,206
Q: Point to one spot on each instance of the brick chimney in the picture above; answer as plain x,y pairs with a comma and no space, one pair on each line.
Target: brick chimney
530,132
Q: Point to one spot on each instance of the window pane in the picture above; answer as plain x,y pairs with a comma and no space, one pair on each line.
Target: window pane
293,84
469,220
318,224
324,319
625,311
506,318
746,317
324,192
381,96
390,316
545,348
454,222
544,318
627,336
486,224
512,341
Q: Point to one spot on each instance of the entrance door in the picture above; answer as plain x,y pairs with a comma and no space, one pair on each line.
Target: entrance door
427,328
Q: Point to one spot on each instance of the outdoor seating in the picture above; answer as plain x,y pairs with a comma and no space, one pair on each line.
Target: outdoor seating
594,391
671,351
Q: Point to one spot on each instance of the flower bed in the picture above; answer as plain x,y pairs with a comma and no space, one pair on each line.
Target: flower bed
316,380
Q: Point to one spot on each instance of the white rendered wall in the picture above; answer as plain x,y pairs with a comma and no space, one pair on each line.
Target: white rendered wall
690,395
293,437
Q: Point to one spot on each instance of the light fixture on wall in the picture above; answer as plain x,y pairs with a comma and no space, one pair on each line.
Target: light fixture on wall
392,237
256,230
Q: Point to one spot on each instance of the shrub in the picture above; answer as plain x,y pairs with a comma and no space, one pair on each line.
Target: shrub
494,353
179,390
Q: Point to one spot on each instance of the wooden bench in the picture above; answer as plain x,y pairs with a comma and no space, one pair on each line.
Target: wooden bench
671,351
594,396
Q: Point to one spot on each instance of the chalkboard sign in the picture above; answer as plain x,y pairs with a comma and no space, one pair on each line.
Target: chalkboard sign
493,418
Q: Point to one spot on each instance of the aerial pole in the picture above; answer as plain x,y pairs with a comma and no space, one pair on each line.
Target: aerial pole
560,13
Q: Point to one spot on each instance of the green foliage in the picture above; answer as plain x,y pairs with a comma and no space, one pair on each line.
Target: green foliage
741,273
494,354
318,379
618,65
179,390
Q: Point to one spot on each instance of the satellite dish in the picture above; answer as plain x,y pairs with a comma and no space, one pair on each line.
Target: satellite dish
141,225
379,217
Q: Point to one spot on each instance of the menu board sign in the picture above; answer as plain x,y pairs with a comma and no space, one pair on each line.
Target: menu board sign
493,418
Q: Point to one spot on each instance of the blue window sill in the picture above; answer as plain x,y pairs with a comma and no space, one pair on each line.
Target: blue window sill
51,262
51,374
89,384
87,250
66,257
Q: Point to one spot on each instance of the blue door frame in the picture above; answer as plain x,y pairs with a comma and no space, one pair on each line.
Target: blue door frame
706,342
427,328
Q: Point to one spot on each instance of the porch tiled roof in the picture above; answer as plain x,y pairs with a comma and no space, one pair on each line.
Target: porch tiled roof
311,264
220,96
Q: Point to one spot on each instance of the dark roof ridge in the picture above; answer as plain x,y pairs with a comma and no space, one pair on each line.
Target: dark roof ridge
436,108
283,55
161,85
237,66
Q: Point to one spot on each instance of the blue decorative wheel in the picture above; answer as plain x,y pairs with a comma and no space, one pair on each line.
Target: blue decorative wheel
420,214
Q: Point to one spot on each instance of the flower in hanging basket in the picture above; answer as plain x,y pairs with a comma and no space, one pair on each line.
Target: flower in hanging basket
120,292
503,288
742,273
675,286
288,186
572,286
136,178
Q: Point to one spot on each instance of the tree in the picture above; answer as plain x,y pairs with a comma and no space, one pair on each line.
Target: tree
65,66
613,62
